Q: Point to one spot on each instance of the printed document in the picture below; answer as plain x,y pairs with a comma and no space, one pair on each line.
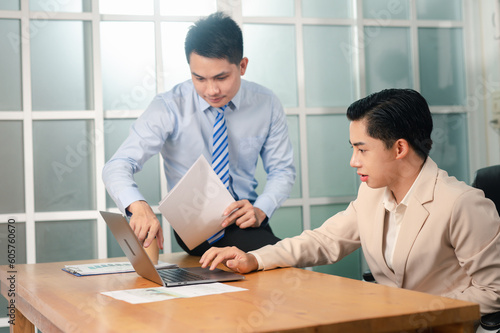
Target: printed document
107,268
195,205
155,294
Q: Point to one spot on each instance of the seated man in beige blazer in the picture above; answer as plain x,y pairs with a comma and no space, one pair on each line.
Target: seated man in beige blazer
419,228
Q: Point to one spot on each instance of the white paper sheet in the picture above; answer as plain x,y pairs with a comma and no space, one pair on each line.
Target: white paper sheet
147,295
195,205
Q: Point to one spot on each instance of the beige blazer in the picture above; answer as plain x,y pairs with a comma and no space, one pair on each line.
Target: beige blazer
448,245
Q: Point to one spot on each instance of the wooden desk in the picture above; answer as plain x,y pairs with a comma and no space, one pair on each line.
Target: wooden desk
292,300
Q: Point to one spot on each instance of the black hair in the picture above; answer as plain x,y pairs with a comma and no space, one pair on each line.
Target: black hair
394,114
216,36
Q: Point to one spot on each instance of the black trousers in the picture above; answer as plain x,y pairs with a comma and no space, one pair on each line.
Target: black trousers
245,239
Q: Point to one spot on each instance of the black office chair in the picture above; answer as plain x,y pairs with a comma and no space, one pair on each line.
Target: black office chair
488,180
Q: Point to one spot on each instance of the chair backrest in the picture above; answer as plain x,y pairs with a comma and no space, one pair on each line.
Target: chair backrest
488,180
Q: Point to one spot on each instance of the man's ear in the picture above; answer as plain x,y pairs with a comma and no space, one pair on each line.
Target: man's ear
243,66
402,148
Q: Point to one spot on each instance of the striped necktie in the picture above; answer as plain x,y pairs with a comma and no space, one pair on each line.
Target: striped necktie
220,152
220,158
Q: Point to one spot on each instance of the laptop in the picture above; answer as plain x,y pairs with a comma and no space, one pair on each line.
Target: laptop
167,277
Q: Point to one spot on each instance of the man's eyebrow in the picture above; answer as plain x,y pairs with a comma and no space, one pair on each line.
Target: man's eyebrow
355,144
221,74
215,76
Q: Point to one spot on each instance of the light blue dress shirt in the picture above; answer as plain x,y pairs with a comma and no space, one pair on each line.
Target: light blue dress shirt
178,124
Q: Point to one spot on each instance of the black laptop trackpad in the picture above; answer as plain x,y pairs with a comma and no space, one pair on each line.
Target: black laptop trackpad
216,274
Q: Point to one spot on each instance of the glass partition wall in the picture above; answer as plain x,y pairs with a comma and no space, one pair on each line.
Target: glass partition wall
75,74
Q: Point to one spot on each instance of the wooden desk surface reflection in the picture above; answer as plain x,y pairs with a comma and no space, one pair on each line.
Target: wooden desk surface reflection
279,300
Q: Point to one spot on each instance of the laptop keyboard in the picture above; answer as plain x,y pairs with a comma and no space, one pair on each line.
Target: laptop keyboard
180,275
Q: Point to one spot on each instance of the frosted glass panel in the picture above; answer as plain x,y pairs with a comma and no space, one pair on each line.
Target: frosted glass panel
73,6
12,175
9,5
442,65
113,248
148,180
450,144
65,240
175,65
60,65
287,222
387,10
327,8
349,266
64,165
272,58
10,65
329,75
388,58
329,154
319,214
260,174
188,7
278,8
126,7
174,246
439,10
20,238
128,65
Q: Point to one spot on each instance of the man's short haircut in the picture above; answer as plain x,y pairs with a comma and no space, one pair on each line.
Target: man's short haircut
394,114
216,36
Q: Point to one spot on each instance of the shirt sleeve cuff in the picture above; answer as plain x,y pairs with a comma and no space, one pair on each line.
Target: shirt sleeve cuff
266,205
126,197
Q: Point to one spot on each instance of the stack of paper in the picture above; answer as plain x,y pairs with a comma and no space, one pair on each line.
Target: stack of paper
107,268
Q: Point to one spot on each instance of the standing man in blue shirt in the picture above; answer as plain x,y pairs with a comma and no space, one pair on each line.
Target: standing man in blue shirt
178,124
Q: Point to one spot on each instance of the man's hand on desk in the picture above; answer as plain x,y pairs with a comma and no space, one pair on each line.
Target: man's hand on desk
243,214
145,224
232,257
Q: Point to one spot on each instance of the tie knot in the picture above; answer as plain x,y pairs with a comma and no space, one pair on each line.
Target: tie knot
222,108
